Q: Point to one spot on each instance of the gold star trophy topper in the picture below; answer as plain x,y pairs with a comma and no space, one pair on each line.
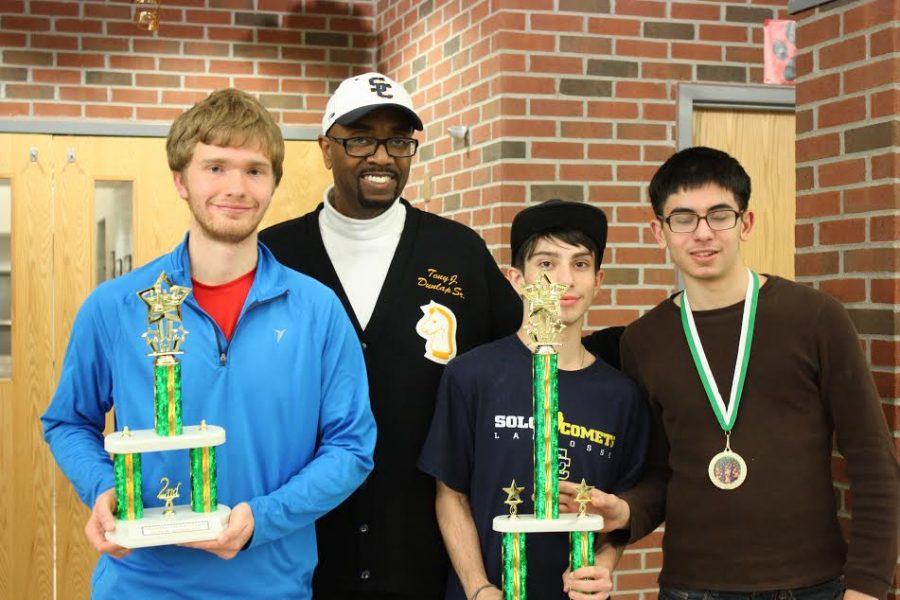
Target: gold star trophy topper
543,297
165,332
582,498
512,498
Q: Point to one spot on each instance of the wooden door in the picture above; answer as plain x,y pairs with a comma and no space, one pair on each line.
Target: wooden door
26,470
763,142
303,184
57,242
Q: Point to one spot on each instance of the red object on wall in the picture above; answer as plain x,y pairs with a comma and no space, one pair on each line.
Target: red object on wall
780,48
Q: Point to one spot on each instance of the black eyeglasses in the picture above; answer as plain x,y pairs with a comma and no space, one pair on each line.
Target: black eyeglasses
687,222
363,147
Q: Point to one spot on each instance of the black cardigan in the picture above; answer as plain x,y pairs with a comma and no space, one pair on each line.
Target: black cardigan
385,537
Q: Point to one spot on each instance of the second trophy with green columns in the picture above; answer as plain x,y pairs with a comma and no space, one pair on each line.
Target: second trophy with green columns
544,326
204,518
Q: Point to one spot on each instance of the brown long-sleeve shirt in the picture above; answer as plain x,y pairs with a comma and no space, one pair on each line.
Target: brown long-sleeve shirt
807,381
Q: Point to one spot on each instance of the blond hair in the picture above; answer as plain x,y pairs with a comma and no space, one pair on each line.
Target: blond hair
226,117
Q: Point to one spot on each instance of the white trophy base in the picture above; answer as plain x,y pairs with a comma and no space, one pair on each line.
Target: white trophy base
147,440
530,524
154,529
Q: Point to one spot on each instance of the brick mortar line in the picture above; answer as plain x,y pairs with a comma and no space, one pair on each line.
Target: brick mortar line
838,69
889,245
526,182
874,183
508,204
509,96
843,155
562,140
867,93
562,162
864,93
865,276
561,118
205,57
841,10
540,75
566,161
204,39
556,95
842,36
711,43
869,182
591,120
885,212
606,205
868,153
849,187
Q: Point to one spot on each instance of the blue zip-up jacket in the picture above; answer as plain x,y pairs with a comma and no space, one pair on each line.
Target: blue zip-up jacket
290,390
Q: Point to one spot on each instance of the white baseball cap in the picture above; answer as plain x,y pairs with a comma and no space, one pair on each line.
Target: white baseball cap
359,95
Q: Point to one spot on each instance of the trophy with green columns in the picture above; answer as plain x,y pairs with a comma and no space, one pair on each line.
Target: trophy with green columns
543,327
204,518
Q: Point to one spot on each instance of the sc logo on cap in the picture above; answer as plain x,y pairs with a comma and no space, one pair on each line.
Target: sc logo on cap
380,86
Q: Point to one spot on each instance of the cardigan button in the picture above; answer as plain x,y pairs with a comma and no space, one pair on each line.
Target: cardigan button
365,575
364,528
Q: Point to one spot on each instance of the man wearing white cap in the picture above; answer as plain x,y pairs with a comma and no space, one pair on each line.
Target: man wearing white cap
419,289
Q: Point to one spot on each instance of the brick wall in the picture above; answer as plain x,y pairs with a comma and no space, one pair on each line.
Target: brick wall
86,59
848,179
564,98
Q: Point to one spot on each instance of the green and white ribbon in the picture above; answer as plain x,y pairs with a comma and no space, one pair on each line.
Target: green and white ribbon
727,415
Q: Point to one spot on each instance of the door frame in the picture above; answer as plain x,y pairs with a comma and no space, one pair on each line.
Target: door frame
738,97
795,6
304,133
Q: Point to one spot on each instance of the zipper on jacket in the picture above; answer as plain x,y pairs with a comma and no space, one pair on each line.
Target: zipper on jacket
223,352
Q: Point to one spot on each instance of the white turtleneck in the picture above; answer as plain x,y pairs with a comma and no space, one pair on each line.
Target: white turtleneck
361,251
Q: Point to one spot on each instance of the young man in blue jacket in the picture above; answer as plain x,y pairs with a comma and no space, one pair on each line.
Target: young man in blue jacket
271,357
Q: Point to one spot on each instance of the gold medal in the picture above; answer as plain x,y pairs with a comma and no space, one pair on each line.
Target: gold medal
727,469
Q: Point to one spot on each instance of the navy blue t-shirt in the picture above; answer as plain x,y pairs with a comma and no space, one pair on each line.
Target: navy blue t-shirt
481,439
